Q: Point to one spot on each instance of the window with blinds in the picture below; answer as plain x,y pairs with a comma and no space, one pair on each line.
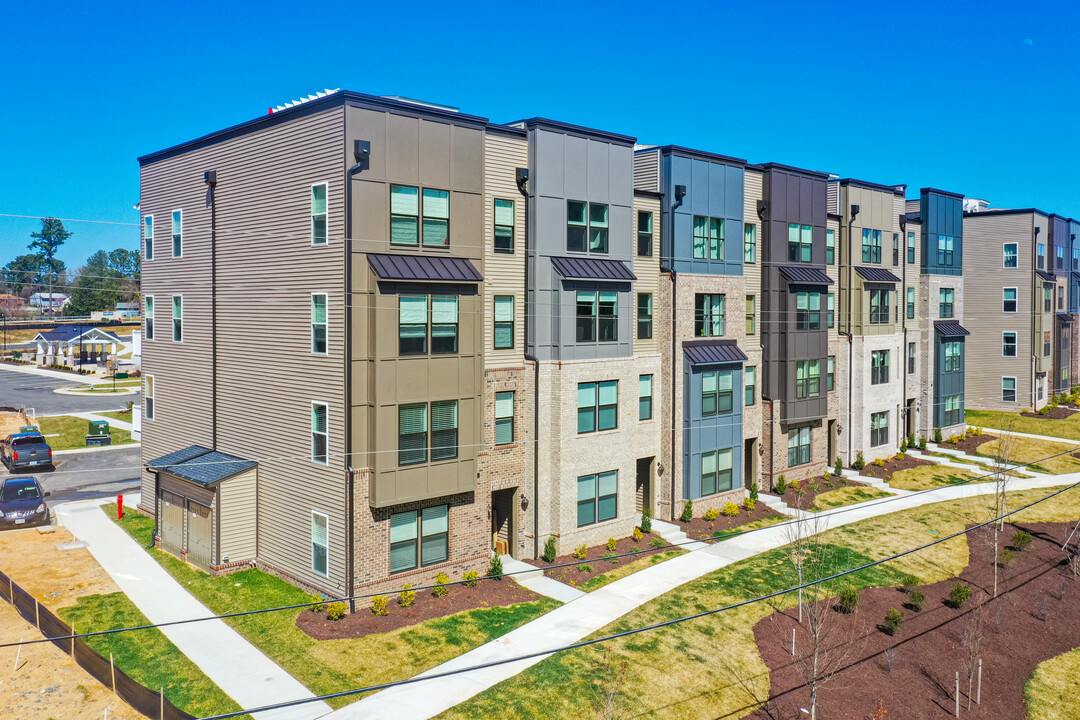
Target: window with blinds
504,322
504,226
412,324
586,227
318,323
444,430
419,537
645,395
404,215
708,238
148,316
320,544
598,406
148,397
597,497
504,417
444,324
708,315
178,318
177,233
716,392
319,433
318,214
412,434
436,212
749,385
148,236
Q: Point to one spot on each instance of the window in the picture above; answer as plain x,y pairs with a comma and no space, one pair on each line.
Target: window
1076,258
318,323
750,243
879,429
148,316
1061,298
319,433
1041,256
715,393
708,315
910,303
952,410
708,238
879,307
504,226
148,397
1047,344
177,234
319,542
871,245
749,384
444,430
589,319
644,234
1009,255
830,373
586,227
879,367
504,322
1008,344
945,250
830,247
1008,389
178,318
798,447
807,311
1040,379
645,397
644,316
807,378
148,236
444,324
1048,297
952,356
412,433
404,215
750,314
831,310
1059,257
895,249
945,302
504,417
911,358
1008,300
586,316
911,248
430,526
412,324
436,218
716,471
318,214
598,405
597,497
609,311
800,242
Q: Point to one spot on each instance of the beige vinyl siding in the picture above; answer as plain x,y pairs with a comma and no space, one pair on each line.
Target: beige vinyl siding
267,376
504,273
832,198
237,507
753,423
647,270
647,170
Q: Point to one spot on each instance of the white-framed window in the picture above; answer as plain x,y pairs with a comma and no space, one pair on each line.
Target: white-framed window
644,234
586,226
148,316
645,395
1008,389
320,543
436,216
318,323
1009,255
504,226
716,471
598,406
148,237
504,322
419,538
879,428
413,438
598,497
798,445
830,247
319,214
177,233
709,315
953,414
1008,299
148,397
709,238
404,215
320,433
1008,344
504,417
750,243
749,385
178,318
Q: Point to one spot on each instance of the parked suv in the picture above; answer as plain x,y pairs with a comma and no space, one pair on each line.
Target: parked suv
25,450
22,503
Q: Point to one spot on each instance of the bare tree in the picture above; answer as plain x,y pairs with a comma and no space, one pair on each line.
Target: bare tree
972,641
1001,462
608,678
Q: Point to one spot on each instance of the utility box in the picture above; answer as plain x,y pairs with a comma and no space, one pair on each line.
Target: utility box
99,433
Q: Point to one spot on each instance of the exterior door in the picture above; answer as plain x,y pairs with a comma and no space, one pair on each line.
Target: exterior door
502,521
643,486
172,523
200,534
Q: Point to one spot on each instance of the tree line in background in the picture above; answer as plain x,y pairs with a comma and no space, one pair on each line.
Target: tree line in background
107,277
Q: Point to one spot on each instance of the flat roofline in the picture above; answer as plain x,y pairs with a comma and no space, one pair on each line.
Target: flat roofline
701,155
571,129
900,190
789,168
936,191
1008,211
648,193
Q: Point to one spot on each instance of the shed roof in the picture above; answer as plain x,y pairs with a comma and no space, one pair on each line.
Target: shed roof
1048,277
950,328
67,333
876,274
424,268
592,269
201,465
805,275
708,352
1065,318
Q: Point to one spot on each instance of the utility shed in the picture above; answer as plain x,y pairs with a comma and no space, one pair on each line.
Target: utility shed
206,503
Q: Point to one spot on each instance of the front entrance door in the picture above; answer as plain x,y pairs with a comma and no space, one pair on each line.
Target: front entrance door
503,521
172,523
910,417
643,486
200,534
831,441
749,462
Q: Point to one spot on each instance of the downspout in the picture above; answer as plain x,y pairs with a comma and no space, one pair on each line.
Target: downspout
210,178
853,212
676,370
521,178
1036,302
902,246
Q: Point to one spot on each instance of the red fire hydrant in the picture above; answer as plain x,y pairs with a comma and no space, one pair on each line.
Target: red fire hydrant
119,507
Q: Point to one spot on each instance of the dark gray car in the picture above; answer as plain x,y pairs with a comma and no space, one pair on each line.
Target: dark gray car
22,503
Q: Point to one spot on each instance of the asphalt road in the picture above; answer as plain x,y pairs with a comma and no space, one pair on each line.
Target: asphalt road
20,389
88,475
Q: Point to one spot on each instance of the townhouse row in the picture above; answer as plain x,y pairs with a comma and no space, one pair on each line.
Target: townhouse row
395,338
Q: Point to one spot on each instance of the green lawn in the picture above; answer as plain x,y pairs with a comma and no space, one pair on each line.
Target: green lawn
333,665
925,477
630,567
116,415
1053,692
1069,428
846,496
71,432
147,656
1028,450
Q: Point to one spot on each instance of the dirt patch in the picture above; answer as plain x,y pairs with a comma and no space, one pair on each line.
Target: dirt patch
1059,413
1036,616
893,465
10,422
487,593
969,444
594,559
811,489
58,578
701,529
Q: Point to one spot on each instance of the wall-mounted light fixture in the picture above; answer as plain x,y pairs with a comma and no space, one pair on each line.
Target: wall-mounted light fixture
210,177
680,193
362,155
521,176
524,501
854,211
762,207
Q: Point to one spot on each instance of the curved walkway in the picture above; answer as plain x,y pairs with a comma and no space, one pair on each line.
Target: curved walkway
584,616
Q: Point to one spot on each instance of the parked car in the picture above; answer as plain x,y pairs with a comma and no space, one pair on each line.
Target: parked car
26,450
22,503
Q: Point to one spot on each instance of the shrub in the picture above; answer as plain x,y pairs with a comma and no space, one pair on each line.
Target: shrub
687,511
612,544
379,605
917,600
909,581
470,578
1006,557
781,485
1024,411
584,568
754,490
407,596
711,514
581,551
317,607
826,484
893,620
1020,540
903,446
440,589
635,550
937,435
976,431
953,439
550,552
637,535
495,567
731,509
922,442
911,440
880,462
838,469
849,600
958,595
646,520
749,504
657,542
860,461
336,611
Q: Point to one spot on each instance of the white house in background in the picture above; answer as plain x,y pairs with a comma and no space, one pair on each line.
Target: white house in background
73,345
42,300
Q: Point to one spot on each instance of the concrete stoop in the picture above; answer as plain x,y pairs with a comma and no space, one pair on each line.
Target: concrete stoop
533,578
985,461
674,535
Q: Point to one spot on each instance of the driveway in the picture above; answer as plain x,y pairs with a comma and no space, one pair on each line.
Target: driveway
89,475
20,389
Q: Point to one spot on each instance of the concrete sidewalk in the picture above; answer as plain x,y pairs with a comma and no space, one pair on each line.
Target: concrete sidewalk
55,374
119,424
580,618
235,665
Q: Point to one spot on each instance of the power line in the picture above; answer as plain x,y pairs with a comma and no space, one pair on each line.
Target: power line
49,217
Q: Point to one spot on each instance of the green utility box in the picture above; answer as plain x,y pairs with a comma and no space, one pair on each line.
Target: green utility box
99,434
30,429
120,376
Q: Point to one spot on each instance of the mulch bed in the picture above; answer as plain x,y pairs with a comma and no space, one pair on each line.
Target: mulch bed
1059,413
809,494
1036,616
593,558
969,444
700,529
892,465
487,593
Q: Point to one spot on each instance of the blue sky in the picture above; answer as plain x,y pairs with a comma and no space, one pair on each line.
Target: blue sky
980,99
